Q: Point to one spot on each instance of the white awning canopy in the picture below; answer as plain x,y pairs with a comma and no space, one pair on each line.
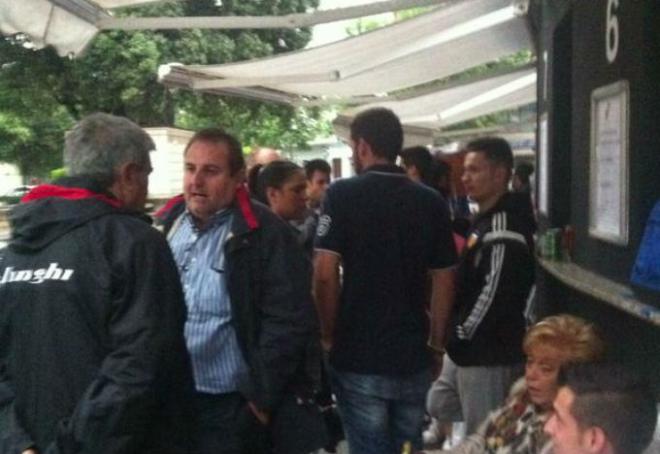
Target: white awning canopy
375,68
67,25
70,25
445,41
454,104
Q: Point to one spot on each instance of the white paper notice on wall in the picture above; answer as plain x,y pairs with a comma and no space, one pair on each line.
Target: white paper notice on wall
608,173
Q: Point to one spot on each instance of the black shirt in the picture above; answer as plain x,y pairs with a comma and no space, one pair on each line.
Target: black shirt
494,280
389,232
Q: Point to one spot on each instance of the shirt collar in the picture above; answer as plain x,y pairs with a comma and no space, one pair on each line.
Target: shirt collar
217,219
386,168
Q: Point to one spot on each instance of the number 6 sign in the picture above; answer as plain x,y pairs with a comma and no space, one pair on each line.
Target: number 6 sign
612,31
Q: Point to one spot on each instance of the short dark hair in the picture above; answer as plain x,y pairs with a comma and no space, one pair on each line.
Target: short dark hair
380,128
316,165
615,399
272,175
440,177
496,150
524,170
419,157
218,135
440,169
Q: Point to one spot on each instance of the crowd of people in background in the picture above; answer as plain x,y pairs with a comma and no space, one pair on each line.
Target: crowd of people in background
271,312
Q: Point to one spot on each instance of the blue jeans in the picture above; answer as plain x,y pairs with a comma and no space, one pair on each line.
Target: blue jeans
380,413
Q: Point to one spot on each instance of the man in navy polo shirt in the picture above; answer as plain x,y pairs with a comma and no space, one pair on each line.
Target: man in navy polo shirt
391,236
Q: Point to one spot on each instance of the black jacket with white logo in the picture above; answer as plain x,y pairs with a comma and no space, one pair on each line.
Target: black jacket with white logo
92,355
495,276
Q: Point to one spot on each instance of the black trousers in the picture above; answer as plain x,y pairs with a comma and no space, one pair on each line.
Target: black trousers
227,426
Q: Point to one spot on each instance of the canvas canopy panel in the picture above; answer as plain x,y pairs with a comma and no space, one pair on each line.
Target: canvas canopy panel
430,112
67,25
412,135
445,41
70,25
462,101
366,70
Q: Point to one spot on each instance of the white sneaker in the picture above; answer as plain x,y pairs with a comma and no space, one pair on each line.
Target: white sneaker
432,438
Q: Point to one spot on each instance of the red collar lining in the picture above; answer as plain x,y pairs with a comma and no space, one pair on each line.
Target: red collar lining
243,199
50,190
165,210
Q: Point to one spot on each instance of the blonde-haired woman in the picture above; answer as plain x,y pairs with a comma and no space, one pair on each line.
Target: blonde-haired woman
517,426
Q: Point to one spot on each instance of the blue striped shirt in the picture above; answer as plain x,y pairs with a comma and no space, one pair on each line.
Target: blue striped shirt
218,365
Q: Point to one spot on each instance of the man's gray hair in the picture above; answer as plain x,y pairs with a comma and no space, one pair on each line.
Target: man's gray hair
100,143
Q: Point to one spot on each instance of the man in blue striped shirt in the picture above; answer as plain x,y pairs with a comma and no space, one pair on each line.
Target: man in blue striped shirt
247,288
217,361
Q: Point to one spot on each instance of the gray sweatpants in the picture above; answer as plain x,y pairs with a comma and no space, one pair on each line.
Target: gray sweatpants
469,393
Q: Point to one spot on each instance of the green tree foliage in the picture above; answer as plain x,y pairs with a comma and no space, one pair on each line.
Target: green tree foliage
364,25
41,94
32,121
369,23
260,123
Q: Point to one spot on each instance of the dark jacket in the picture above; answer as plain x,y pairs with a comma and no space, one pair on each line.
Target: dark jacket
92,354
495,276
269,284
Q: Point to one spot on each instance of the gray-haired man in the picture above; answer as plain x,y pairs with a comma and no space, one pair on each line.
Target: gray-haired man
92,356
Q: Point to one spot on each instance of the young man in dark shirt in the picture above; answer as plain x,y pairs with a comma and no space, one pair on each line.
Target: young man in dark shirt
317,172
389,235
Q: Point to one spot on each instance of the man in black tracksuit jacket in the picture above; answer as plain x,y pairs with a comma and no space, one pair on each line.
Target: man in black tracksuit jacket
494,279
92,355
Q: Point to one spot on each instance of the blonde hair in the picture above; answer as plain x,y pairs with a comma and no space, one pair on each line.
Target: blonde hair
578,339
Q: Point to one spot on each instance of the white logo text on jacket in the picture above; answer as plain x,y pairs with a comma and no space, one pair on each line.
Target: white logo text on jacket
38,276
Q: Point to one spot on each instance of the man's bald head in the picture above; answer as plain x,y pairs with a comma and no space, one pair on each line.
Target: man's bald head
263,156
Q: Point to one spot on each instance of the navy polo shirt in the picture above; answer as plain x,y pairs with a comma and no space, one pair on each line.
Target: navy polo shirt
389,232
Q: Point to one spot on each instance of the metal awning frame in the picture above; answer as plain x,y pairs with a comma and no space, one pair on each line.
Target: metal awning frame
288,21
301,78
89,17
